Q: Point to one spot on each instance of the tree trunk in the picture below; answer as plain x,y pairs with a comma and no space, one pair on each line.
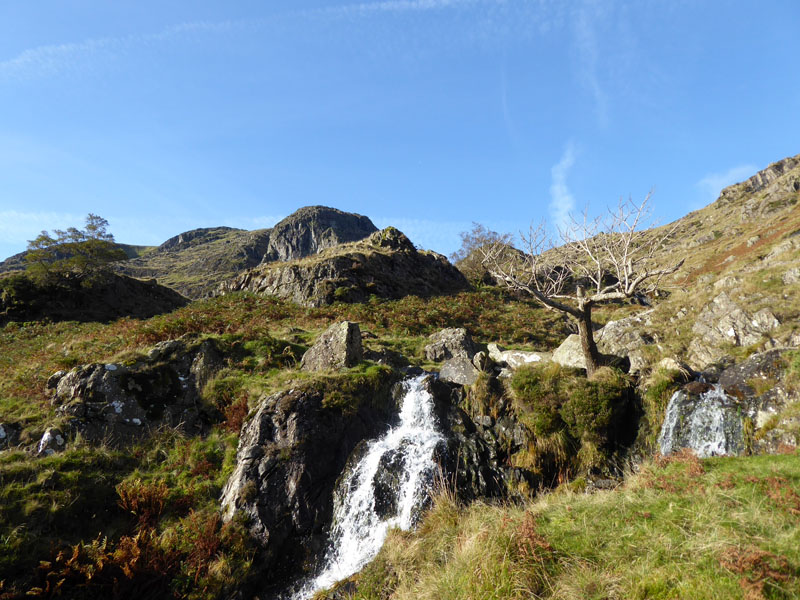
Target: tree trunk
590,352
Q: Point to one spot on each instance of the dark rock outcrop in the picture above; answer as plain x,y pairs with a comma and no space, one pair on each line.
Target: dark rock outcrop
337,348
475,459
291,452
9,434
96,297
314,228
386,265
121,403
296,447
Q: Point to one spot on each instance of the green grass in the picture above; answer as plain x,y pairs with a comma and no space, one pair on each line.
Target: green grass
719,528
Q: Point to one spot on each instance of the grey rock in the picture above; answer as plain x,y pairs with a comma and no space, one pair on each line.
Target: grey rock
791,276
723,322
482,362
449,343
339,347
53,380
622,338
290,455
514,359
459,370
570,353
727,282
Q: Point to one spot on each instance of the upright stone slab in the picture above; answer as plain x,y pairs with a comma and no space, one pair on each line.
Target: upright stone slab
338,348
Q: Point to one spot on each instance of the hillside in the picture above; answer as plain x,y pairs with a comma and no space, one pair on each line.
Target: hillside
195,262
200,453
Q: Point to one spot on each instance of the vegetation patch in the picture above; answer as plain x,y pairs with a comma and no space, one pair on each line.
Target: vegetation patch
577,422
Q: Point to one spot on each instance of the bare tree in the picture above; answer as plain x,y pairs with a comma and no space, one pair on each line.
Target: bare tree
600,260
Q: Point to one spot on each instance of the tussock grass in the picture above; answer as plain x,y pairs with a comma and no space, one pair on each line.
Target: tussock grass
680,528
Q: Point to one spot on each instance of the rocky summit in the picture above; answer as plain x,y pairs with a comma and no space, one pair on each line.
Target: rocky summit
343,390
385,265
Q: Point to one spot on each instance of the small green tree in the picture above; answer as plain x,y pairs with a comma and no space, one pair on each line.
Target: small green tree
82,251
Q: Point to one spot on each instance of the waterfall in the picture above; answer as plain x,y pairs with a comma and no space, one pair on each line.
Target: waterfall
385,489
711,425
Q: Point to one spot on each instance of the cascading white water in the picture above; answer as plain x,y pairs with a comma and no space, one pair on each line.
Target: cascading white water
359,526
710,425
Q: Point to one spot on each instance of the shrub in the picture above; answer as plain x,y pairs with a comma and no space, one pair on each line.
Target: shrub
577,422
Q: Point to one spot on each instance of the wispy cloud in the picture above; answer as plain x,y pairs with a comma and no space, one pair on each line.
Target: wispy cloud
562,202
55,59
589,56
713,183
396,6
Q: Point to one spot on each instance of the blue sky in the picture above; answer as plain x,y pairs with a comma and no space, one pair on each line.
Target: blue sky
423,114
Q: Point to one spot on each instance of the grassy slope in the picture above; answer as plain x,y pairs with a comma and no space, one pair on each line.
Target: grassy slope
718,528
66,501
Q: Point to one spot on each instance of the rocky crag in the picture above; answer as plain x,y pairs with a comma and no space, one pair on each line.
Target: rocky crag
386,265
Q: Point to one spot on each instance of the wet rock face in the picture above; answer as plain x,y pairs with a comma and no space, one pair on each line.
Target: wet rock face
337,348
121,403
385,264
475,457
290,455
709,423
747,411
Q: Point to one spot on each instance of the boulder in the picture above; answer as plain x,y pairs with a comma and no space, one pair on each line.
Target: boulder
570,353
515,358
449,343
339,347
459,370
120,403
723,322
